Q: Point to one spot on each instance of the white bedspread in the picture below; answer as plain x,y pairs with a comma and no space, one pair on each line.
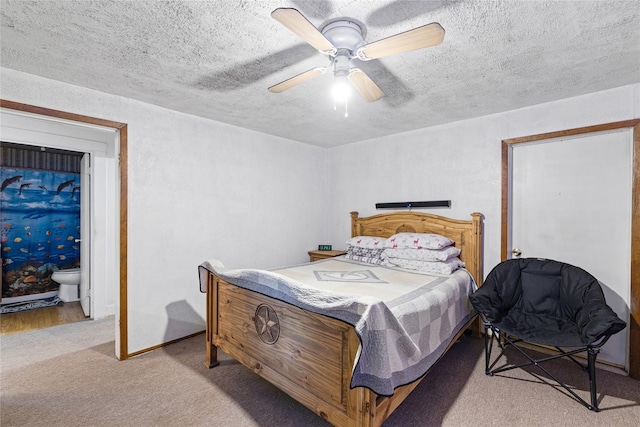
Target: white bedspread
405,319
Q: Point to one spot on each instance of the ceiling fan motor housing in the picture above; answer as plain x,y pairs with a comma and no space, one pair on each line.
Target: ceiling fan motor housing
344,35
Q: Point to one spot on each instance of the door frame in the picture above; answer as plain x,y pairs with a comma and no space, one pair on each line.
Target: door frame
507,160
122,352
85,235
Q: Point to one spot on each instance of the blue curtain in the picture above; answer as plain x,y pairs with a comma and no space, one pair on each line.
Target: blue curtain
40,223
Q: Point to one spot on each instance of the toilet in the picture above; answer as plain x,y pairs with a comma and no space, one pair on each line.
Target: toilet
69,280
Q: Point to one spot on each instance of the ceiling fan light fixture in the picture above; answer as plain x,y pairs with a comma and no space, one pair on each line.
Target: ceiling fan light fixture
341,89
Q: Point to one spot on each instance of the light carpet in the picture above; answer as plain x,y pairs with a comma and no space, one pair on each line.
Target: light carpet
69,376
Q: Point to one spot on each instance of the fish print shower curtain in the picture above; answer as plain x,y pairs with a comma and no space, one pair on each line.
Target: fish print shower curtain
40,223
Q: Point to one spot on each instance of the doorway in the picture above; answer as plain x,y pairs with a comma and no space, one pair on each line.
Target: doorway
632,268
571,202
106,142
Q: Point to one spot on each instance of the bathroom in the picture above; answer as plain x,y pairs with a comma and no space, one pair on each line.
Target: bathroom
40,226
100,187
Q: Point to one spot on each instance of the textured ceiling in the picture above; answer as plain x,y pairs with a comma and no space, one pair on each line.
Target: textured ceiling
216,59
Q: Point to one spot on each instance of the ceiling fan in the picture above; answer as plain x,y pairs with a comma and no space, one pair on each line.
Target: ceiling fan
341,41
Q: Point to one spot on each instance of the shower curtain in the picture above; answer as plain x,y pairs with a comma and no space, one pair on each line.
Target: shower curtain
40,223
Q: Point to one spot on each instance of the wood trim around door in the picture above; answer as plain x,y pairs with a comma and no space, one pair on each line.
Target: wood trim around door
123,169
634,309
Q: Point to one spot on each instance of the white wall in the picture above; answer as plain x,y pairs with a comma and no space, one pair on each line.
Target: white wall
459,161
197,189
200,189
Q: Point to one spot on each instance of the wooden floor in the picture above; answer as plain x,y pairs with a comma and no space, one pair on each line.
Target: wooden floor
14,323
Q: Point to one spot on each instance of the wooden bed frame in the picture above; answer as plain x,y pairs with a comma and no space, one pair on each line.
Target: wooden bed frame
313,357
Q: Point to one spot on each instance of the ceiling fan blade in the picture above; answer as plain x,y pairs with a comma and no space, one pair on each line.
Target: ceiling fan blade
296,22
296,80
363,84
418,38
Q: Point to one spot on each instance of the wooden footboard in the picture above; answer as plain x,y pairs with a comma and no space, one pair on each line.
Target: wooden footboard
307,355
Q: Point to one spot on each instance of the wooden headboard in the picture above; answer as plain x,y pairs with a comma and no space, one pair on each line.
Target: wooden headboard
467,234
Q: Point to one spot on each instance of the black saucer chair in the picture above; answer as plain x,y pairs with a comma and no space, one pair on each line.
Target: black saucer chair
546,303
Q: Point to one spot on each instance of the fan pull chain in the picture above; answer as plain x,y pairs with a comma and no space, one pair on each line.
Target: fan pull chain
346,107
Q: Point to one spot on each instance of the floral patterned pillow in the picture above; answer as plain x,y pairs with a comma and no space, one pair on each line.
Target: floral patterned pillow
369,242
417,241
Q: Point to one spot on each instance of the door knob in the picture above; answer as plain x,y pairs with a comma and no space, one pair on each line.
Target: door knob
516,252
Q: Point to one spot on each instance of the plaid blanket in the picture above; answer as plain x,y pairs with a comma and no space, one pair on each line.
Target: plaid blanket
404,319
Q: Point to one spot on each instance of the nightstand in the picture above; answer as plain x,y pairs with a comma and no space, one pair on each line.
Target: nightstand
318,255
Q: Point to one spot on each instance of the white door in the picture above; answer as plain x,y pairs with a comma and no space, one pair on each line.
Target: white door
571,201
85,234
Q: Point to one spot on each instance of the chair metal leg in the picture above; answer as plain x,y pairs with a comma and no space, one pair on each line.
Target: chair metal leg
487,349
504,341
592,354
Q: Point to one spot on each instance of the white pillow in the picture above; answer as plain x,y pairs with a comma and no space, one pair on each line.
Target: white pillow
417,241
422,254
369,242
439,267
